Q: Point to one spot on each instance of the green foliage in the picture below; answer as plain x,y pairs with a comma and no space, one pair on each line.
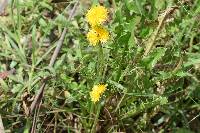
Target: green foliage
154,92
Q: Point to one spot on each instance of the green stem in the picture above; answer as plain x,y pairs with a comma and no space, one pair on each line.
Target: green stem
93,130
114,5
91,113
100,67
95,108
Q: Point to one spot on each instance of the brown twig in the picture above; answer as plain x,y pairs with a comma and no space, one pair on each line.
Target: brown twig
33,129
3,5
1,126
38,98
39,95
155,34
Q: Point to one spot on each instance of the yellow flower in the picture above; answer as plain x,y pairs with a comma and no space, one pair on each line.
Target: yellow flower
103,34
97,15
92,37
97,34
97,91
94,96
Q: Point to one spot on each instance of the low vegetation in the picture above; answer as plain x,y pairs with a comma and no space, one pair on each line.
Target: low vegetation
100,66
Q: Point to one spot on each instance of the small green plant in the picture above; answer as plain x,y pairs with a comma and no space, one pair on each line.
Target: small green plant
125,66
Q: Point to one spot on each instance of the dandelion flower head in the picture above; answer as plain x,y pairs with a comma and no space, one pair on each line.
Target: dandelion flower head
97,91
97,15
97,34
92,37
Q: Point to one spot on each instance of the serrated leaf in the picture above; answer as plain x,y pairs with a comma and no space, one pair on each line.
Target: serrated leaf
124,38
193,59
133,22
150,61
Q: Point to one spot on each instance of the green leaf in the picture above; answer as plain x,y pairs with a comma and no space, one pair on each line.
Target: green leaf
182,74
60,61
183,130
157,101
42,22
163,76
118,16
4,86
193,59
150,61
45,5
17,88
135,6
61,20
159,4
123,40
117,85
145,32
133,22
